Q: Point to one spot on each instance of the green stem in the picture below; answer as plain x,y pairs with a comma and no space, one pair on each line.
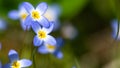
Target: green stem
33,56
77,63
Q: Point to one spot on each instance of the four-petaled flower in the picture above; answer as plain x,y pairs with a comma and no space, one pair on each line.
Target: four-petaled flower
15,62
36,14
42,34
20,14
54,49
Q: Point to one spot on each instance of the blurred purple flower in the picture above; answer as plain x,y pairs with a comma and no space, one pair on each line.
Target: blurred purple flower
0,65
52,14
69,31
115,28
3,25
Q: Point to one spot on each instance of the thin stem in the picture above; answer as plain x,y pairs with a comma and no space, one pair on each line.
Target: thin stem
77,63
33,56
24,38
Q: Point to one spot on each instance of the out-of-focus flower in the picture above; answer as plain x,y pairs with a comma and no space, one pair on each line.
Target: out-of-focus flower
15,62
54,49
42,34
20,14
52,14
3,25
0,65
69,31
36,14
0,46
115,28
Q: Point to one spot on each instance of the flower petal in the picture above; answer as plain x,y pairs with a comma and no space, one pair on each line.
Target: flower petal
51,40
7,66
44,22
58,54
42,7
114,27
13,14
25,63
13,55
36,27
42,49
60,42
37,41
24,27
28,21
48,30
28,6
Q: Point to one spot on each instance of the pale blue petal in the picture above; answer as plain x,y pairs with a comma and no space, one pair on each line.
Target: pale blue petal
44,22
24,27
13,55
28,21
51,40
42,49
60,42
48,30
36,27
37,41
28,6
115,29
25,63
42,7
7,66
13,15
58,54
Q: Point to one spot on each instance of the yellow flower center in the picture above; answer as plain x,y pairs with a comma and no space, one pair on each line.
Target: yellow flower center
16,64
42,34
51,47
23,16
35,14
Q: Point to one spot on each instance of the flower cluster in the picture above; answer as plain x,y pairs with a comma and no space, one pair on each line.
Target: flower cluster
38,20
42,27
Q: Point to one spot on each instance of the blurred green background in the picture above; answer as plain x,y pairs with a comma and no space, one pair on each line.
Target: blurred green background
92,47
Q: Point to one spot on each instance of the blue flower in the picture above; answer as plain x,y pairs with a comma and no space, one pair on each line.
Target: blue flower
115,28
0,65
52,14
36,14
15,62
20,14
69,31
54,49
0,46
43,34
3,25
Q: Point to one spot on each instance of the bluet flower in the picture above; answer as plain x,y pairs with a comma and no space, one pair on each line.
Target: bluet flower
43,34
3,25
52,14
36,14
115,28
20,14
54,49
0,65
0,46
15,62
69,31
